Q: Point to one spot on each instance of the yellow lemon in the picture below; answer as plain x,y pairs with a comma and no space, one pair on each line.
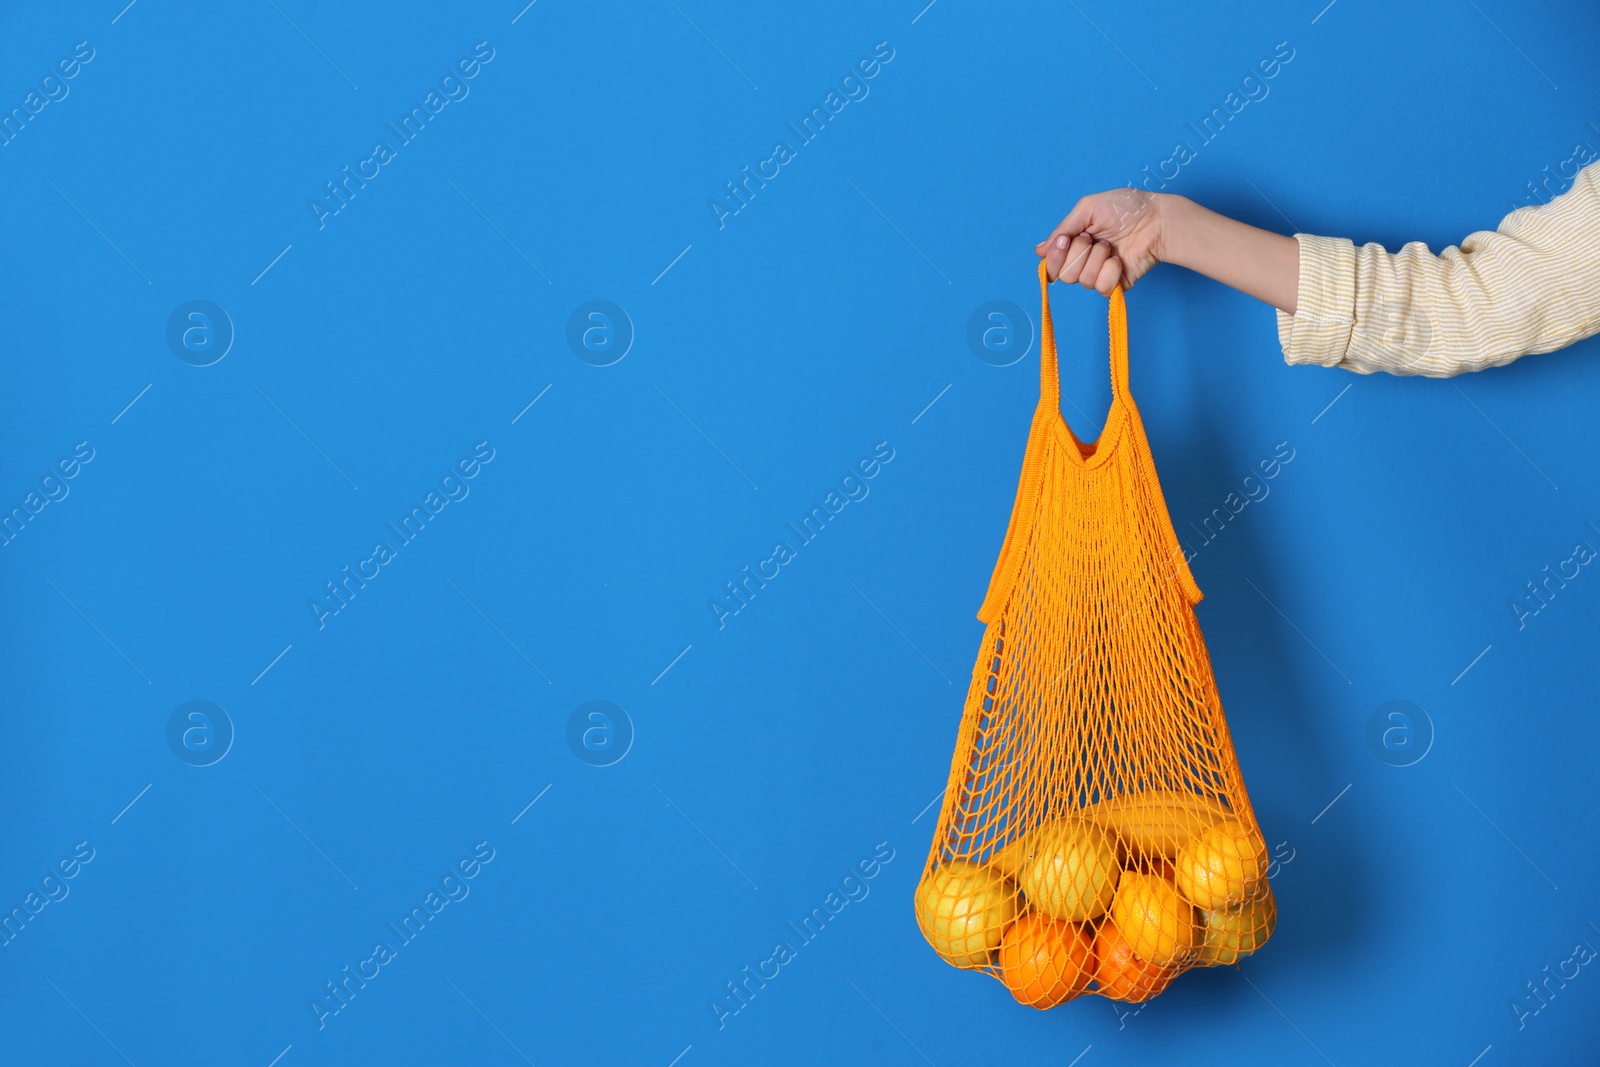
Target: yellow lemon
1070,869
964,910
1222,867
1231,935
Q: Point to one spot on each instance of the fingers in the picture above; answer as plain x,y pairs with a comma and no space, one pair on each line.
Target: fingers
1054,251
1076,221
1067,257
1091,264
1072,254
1077,253
1048,243
1091,267
1109,274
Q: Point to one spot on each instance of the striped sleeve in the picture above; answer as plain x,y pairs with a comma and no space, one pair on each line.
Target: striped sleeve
1531,286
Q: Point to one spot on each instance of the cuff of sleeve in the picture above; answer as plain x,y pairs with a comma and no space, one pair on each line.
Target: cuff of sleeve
1319,330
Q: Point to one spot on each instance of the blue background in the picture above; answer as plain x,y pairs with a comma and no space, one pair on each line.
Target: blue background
768,756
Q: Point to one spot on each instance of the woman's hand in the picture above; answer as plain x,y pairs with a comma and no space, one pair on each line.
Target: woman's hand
1112,238
1108,239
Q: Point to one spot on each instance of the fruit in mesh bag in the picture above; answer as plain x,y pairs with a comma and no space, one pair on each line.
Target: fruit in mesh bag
1158,923
1045,962
1159,865
1157,822
1230,935
1070,869
1008,860
964,910
1122,974
1223,866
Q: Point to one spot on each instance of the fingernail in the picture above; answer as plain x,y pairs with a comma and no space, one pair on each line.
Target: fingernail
1061,241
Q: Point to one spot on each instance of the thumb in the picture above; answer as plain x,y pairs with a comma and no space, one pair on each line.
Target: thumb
1080,218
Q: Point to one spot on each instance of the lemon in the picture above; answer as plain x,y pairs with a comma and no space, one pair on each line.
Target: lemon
1223,866
1232,934
964,910
1070,869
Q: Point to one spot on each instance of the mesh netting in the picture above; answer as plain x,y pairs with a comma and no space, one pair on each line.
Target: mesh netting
1095,835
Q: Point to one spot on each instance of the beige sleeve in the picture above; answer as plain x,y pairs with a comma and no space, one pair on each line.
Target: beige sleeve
1531,286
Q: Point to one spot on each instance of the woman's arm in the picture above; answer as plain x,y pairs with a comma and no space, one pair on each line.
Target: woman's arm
1113,238
1263,264
1531,286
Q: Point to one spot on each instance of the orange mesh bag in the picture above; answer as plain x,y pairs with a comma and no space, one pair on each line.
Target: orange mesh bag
1095,835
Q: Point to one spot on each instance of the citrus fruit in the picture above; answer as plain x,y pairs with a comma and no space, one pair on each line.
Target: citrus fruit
1045,962
1228,936
964,910
1158,923
1222,867
1070,870
1123,975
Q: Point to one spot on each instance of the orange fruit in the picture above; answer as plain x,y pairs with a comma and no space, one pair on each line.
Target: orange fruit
1123,975
1158,923
1045,962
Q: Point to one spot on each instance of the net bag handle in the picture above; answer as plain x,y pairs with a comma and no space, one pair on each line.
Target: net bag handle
1050,408
1049,370
1048,412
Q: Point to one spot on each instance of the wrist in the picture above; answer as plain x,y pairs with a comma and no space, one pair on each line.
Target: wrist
1176,217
